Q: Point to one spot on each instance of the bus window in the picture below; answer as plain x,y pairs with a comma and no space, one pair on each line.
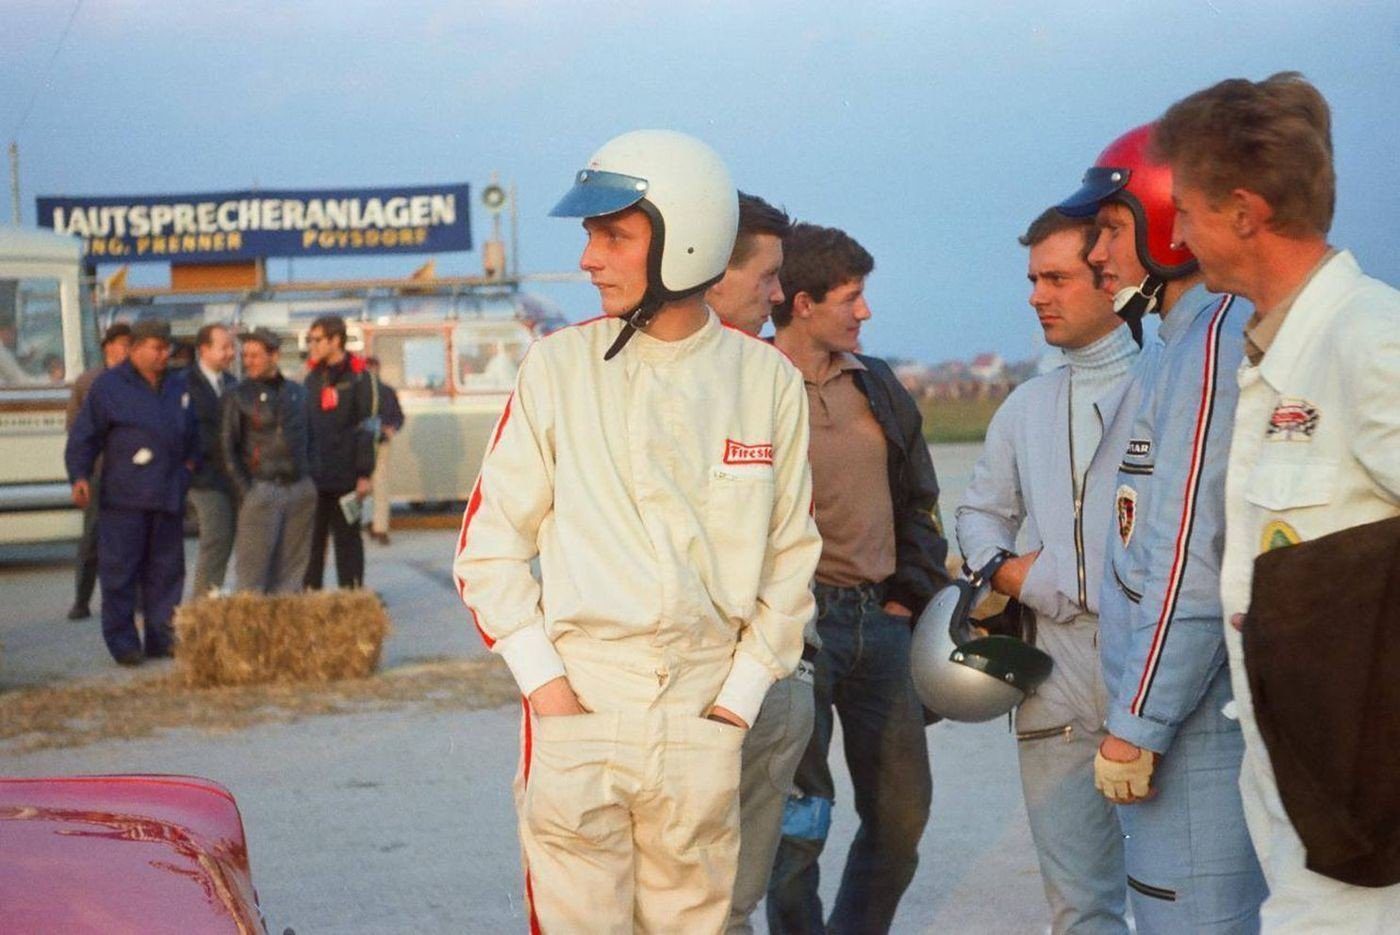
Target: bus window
412,362
92,337
488,356
31,333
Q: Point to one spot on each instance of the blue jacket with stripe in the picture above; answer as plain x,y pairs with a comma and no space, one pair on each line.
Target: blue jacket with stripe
1161,638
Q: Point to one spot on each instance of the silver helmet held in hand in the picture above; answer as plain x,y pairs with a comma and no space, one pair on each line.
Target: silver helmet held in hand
975,670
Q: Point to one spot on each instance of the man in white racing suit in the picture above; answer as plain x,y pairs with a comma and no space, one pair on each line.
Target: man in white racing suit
656,463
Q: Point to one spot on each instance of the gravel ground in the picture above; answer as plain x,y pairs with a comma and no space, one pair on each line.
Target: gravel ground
402,821
394,815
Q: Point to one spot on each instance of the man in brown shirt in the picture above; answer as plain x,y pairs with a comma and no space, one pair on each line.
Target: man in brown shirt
876,501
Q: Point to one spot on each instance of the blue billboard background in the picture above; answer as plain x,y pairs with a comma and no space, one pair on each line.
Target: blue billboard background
243,225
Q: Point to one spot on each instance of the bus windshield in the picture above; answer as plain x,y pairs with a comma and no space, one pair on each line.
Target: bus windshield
31,332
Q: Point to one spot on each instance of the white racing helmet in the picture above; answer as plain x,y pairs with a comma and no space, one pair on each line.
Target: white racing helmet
975,670
685,190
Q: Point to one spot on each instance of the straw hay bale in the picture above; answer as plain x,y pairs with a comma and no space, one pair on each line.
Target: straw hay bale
126,705
245,638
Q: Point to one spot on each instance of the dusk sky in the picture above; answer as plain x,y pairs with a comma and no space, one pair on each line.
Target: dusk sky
932,132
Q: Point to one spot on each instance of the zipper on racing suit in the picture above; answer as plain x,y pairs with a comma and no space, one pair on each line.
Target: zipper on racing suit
1078,507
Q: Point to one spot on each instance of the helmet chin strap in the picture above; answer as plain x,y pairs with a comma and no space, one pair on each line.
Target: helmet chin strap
634,321
1133,302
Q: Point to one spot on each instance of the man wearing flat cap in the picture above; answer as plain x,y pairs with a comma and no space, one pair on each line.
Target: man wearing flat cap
137,418
116,344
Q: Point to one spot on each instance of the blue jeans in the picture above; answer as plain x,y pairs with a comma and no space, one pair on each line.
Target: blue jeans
863,671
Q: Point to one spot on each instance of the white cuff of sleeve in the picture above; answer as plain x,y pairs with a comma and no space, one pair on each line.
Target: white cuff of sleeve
748,682
531,656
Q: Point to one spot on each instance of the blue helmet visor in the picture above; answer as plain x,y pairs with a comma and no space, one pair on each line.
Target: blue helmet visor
1100,183
598,193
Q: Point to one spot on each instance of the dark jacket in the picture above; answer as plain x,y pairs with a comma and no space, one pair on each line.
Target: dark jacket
1322,655
146,435
341,402
263,434
206,405
921,551
390,412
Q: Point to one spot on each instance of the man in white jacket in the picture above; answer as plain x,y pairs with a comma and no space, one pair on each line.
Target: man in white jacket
656,464
1316,445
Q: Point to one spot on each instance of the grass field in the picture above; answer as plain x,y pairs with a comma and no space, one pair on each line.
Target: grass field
957,420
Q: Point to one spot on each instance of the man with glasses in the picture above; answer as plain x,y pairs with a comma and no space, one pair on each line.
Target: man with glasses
341,400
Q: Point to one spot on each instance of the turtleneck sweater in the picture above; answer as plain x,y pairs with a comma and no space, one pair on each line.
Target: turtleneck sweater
1095,370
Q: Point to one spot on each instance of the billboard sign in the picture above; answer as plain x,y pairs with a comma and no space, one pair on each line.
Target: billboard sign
245,225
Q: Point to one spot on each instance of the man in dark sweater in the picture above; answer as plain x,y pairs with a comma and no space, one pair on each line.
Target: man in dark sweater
341,401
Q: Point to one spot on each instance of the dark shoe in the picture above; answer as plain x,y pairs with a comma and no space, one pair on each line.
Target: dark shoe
164,652
79,612
131,657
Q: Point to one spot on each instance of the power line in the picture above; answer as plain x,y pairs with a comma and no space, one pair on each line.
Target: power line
48,70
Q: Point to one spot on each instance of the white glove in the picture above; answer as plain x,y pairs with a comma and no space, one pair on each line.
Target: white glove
1125,782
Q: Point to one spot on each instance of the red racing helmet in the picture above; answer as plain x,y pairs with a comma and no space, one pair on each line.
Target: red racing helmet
1124,174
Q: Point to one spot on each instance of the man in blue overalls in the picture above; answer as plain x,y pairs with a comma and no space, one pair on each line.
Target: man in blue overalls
138,418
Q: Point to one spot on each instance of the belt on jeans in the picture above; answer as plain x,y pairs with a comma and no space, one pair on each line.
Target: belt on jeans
873,593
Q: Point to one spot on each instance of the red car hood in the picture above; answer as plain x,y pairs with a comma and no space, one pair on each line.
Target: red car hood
117,854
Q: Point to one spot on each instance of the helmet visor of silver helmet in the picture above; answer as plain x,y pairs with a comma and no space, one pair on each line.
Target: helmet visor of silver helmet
1100,183
596,193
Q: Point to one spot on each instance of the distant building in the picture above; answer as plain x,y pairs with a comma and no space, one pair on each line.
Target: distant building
987,376
913,375
988,368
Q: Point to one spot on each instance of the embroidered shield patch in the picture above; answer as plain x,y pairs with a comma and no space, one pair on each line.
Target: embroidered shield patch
1126,507
1293,420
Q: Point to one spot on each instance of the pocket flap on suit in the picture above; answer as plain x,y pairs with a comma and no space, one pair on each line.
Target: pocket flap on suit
1292,484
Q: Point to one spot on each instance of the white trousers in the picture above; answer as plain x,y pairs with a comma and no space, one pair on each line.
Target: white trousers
1300,902
629,815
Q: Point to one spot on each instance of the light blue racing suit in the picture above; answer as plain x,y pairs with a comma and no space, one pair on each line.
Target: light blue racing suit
1190,864
1026,487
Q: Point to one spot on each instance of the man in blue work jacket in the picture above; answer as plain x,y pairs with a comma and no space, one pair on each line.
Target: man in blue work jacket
138,418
